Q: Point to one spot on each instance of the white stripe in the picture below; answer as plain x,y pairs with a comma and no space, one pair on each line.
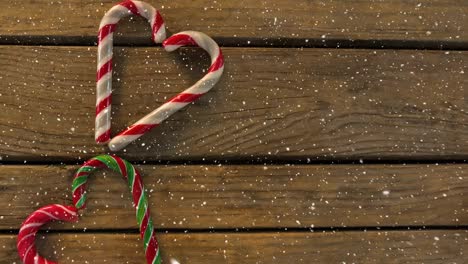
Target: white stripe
142,194
101,118
36,258
27,251
170,48
145,10
24,227
105,51
48,214
104,87
26,236
66,210
160,34
151,16
114,15
134,179
102,127
103,61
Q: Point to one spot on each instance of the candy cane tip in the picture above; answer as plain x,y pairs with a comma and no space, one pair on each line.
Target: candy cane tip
170,48
174,261
114,147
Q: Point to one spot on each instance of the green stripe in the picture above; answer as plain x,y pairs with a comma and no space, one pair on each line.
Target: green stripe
157,259
130,174
81,201
78,181
110,162
142,204
85,169
148,233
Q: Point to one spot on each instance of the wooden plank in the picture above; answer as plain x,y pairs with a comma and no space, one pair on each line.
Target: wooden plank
247,22
202,197
303,104
428,247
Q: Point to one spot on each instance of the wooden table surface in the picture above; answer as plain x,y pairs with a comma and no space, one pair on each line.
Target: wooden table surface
337,134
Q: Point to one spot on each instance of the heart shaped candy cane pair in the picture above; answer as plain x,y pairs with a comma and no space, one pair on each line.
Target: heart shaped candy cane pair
104,73
55,212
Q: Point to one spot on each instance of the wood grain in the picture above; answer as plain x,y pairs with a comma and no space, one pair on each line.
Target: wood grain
271,104
246,196
429,247
433,23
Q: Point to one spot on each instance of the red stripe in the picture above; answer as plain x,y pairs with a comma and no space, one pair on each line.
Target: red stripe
103,104
219,62
185,98
137,129
158,22
151,250
180,40
94,163
78,193
130,6
81,173
123,169
144,224
104,137
81,189
105,30
107,67
136,192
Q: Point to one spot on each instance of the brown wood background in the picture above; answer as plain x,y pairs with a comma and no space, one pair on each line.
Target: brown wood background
337,134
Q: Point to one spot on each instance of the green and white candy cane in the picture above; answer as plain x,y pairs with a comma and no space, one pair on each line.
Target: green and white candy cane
135,184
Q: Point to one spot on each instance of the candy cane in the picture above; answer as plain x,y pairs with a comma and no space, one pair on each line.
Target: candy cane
27,234
192,38
135,184
104,57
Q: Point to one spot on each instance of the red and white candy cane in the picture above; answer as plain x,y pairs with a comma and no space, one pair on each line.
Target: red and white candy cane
27,234
104,57
186,38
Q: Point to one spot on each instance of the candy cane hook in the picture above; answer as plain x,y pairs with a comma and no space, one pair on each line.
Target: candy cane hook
27,234
140,201
104,57
186,38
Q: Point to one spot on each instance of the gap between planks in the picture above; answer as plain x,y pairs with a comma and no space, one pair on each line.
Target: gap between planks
247,43
284,230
